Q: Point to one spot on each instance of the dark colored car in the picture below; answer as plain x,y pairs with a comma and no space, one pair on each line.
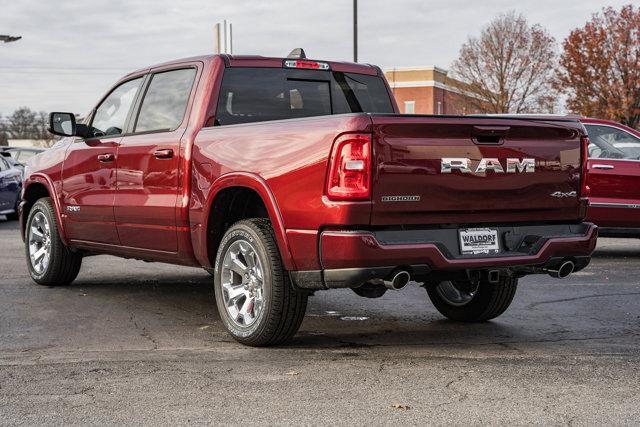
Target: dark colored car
13,162
614,177
10,188
286,176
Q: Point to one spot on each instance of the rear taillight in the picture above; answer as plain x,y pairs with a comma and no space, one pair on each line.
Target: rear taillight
350,168
585,189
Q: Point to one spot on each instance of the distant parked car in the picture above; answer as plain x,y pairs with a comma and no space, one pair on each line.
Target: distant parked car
10,188
23,154
13,162
614,177
614,174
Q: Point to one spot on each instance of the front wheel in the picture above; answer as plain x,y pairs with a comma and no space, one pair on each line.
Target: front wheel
466,302
50,262
254,296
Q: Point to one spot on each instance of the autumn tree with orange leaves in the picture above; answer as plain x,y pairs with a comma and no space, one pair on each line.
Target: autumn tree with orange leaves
508,68
600,67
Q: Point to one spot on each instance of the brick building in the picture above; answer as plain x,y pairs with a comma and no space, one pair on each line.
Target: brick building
428,90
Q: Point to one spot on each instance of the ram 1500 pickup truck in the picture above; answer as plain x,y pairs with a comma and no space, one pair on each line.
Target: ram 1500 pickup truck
286,176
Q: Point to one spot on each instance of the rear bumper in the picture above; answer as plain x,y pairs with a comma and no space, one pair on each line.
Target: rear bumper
350,258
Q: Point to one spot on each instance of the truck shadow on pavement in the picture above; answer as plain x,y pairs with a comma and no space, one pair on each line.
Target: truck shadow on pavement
335,319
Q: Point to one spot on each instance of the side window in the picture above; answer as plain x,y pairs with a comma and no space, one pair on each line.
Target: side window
112,113
607,142
165,101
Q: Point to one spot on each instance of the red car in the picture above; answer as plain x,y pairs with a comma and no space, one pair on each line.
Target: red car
286,176
614,177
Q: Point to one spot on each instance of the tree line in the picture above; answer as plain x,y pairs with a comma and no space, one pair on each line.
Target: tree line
25,124
515,67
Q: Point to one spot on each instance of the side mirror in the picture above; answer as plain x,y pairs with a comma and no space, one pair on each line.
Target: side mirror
62,124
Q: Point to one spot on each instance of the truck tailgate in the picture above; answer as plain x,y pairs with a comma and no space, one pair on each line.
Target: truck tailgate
430,170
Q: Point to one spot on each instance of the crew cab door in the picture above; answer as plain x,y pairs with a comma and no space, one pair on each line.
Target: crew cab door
89,170
149,162
614,177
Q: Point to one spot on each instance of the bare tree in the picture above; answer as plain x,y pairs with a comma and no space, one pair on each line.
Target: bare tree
21,124
600,66
509,67
26,124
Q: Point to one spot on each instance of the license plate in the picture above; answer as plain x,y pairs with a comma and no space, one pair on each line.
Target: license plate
474,241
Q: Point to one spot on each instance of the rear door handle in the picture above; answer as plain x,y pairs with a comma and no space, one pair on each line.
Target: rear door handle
603,166
163,154
106,157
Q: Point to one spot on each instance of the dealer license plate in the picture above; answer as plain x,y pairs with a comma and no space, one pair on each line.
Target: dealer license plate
474,241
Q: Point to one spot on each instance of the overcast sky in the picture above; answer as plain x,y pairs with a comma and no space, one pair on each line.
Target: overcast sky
73,51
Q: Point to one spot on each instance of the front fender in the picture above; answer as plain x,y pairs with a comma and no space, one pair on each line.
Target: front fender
253,182
44,180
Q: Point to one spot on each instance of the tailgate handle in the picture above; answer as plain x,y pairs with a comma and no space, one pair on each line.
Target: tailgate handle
489,134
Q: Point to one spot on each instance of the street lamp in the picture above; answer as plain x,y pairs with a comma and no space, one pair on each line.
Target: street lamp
355,30
9,39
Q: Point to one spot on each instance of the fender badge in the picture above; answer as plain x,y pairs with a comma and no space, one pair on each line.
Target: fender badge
400,198
560,194
73,208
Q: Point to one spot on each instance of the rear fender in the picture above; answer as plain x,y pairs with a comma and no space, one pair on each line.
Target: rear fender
256,183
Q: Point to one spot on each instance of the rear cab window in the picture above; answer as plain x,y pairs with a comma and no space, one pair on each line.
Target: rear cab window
262,94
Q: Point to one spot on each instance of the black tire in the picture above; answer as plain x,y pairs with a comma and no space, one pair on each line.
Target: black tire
489,301
283,308
64,265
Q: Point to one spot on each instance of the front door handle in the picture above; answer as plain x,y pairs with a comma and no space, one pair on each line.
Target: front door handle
106,157
163,154
603,166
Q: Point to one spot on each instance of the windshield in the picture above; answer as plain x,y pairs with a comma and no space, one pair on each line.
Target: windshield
261,94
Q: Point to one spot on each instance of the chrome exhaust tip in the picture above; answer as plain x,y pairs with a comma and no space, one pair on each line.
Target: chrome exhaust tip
565,269
399,280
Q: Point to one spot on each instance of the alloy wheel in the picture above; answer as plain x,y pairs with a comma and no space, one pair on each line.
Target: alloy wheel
242,283
456,295
39,242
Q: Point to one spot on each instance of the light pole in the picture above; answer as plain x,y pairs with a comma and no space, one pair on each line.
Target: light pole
9,39
355,30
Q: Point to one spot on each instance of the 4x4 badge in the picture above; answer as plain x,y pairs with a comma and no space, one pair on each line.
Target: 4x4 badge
560,194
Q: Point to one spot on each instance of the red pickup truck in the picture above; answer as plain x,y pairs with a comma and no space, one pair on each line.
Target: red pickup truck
285,176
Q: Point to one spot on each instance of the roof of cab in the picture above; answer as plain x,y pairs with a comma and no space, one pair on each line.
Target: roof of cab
264,61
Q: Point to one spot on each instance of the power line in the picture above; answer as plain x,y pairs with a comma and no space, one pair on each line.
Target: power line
56,67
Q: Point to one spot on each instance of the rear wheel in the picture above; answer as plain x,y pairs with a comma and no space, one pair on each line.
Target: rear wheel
50,262
465,302
254,296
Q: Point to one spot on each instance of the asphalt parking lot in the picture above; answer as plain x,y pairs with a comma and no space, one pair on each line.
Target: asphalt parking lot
133,342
